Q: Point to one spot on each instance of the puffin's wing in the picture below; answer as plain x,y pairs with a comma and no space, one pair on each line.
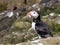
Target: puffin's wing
43,27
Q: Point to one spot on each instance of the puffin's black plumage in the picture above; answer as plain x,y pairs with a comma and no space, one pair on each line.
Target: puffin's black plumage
42,28
15,8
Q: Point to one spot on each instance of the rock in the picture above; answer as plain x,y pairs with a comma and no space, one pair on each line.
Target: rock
46,41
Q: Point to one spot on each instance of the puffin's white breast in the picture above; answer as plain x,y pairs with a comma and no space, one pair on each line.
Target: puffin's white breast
9,14
33,25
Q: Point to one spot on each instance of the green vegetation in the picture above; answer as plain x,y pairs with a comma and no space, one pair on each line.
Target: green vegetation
57,9
56,28
45,11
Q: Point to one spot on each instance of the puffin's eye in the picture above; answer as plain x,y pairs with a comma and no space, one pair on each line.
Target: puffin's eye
34,12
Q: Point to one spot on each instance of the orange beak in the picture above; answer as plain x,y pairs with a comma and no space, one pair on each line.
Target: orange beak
28,14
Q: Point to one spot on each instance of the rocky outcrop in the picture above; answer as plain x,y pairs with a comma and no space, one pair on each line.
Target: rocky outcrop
47,41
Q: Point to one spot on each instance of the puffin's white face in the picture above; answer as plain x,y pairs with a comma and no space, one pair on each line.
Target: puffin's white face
32,14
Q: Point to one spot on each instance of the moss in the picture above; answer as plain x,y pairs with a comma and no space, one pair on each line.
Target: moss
55,27
57,9
46,10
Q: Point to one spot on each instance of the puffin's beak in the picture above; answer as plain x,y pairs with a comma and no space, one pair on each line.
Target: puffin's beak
28,15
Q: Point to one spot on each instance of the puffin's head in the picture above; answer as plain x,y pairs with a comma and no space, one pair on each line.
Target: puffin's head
32,14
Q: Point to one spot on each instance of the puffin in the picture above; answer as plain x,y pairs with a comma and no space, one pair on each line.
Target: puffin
41,28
